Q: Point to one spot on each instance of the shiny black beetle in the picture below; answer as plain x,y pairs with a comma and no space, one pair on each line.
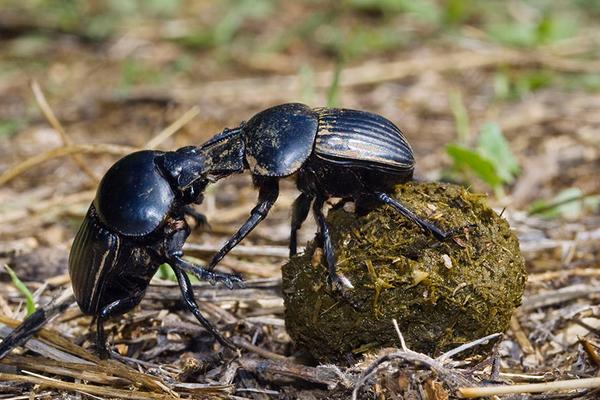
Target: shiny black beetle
332,153
135,223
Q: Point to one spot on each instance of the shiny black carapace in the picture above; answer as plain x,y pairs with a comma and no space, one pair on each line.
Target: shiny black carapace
331,152
136,223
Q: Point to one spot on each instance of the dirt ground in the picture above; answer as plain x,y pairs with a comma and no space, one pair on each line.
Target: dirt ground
116,74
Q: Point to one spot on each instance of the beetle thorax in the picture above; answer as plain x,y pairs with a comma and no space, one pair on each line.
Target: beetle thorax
134,198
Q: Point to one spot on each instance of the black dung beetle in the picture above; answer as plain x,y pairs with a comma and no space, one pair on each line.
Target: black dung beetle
332,152
135,223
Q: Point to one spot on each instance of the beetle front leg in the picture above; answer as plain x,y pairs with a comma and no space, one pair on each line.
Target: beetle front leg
267,195
188,297
229,280
173,253
338,282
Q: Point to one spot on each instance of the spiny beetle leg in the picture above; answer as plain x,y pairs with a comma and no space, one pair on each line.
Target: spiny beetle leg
115,308
300,210
267,195
337,282
422,223
229,280
173,249
188,298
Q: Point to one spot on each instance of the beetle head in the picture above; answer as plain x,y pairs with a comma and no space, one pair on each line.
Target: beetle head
184,168
224,153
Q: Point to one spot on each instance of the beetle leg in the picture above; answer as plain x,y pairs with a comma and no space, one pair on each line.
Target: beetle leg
338,282
173,244
117,307
300,210
422,223
267,195
229,280
188,297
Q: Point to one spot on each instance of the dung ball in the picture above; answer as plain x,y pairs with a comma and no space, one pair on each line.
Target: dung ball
442,293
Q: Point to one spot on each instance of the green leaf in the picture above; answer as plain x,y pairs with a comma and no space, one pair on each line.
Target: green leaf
333,91
23,289
477,163
461,116
10,127
165,272
494,147
569,203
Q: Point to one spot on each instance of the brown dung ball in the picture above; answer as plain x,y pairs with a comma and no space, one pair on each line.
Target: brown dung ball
442,293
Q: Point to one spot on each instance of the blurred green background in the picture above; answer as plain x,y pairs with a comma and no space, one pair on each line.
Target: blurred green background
119,70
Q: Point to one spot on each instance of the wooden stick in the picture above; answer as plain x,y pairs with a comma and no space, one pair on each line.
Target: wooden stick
571,384
243,343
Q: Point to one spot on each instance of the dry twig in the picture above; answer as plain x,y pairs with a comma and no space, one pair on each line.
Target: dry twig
51,117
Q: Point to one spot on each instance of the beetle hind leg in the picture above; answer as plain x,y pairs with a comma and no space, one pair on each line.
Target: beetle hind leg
117,307
190,302
425,225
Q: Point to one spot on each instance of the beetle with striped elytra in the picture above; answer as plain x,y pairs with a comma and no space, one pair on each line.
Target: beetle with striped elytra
331,152
136,223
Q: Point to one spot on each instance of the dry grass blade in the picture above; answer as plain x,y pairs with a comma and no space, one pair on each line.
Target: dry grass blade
86,389
45,350
31,162
35,321
241,250
51,117
449,354
255,349
110,366
173,128
590,350
571,384
87,372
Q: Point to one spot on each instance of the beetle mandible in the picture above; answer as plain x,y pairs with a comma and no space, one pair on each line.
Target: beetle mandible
135,223
331,152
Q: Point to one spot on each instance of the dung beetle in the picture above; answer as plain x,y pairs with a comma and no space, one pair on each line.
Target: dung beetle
331,152
135,223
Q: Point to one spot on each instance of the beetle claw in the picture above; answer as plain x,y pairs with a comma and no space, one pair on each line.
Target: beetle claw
230,280
102,352
339,283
